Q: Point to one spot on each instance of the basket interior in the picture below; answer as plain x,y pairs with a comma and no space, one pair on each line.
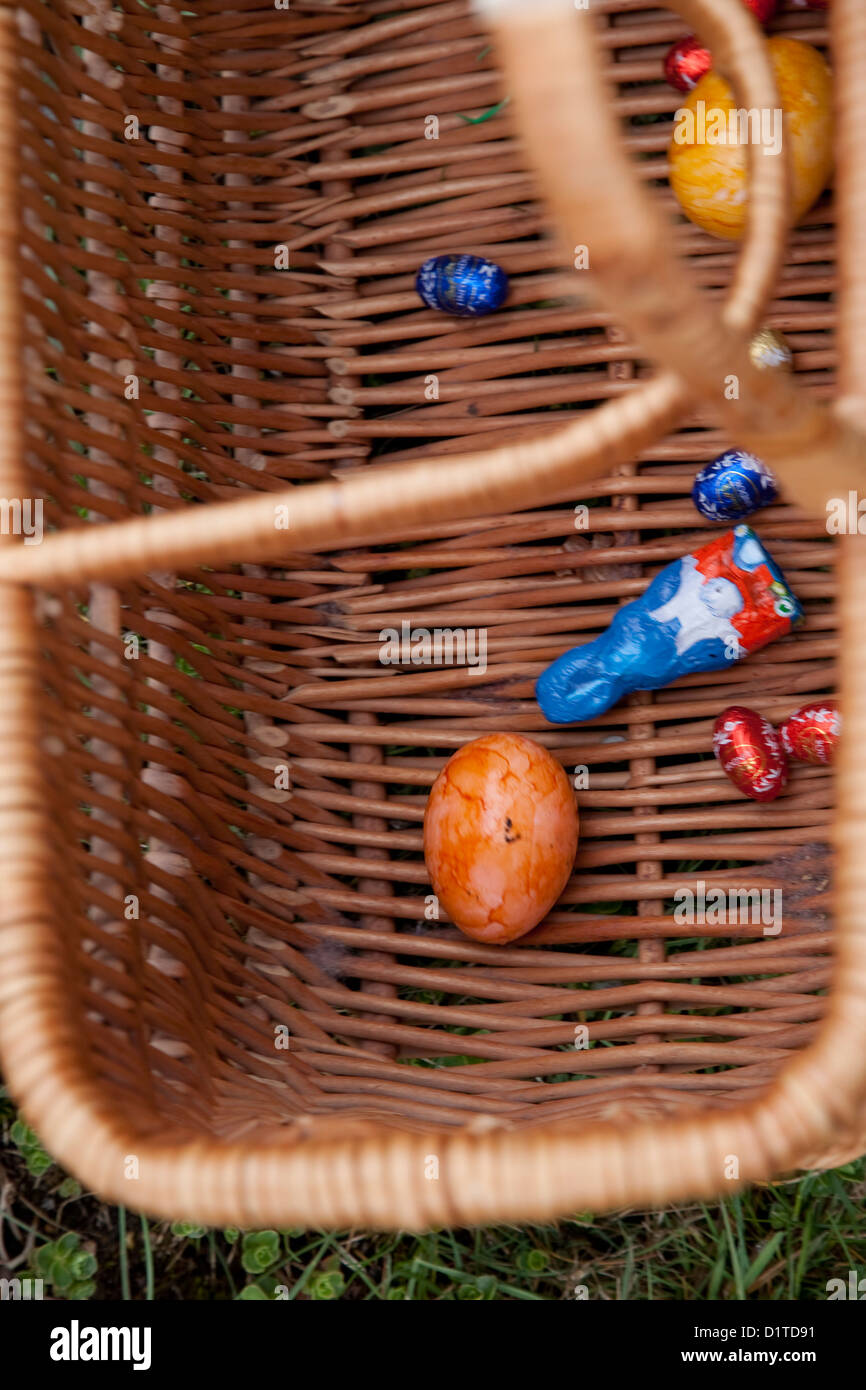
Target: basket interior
238,781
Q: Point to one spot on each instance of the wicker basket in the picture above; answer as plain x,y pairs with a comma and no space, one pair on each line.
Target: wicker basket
221,993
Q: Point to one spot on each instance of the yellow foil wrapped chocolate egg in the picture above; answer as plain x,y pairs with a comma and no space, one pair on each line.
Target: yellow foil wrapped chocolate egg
708,152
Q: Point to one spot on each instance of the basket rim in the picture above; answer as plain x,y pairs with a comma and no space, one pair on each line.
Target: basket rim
378,1180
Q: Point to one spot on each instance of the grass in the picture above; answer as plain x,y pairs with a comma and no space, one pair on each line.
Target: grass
776,1242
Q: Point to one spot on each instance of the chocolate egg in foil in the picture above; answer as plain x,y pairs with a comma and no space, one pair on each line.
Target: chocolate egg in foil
468,286
763,10
769,351
750,752
686,63
733,486
811,735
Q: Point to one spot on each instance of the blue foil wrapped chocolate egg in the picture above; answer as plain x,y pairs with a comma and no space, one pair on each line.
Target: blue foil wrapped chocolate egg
732,486
467,286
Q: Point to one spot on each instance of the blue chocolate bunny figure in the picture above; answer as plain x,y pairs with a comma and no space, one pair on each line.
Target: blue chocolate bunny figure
682,623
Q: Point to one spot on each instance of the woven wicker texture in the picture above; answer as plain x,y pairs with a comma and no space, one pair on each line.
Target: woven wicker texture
236,780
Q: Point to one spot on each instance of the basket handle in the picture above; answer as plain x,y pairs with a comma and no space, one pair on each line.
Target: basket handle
551,66
553,73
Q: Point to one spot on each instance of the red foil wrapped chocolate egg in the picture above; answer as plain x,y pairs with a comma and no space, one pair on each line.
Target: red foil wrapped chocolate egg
763,10
812,733
686,63
688,59
750,752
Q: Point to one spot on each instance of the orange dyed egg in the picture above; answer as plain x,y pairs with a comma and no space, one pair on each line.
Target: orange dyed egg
708,164
500,836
